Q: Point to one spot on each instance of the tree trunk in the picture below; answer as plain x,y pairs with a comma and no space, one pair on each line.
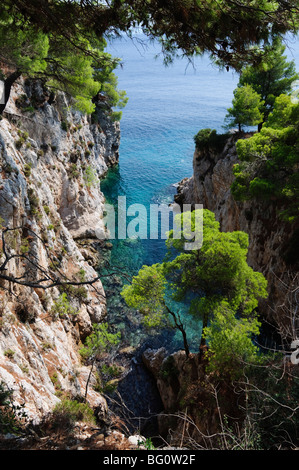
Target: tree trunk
7,87
202,346
88,379
180,327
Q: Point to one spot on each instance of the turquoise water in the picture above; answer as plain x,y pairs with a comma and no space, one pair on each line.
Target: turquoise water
166,108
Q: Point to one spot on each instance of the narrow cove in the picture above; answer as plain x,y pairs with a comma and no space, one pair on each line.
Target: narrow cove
166,108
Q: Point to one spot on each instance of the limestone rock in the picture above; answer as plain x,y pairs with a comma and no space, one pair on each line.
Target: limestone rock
44,189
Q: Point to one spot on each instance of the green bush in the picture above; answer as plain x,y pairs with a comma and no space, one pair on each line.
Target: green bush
62,307
11,415
90,177
68,412
27,169
269,159
33,200
65,126
208,138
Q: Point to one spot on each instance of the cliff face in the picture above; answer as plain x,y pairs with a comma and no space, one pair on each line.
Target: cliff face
270,239
51,158
193,405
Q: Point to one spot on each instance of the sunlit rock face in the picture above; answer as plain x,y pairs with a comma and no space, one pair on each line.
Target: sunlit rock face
51,159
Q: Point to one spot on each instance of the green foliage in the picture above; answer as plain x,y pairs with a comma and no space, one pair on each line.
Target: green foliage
62,307
75,64
147,444
47,209
272,77
22,48
9,353
62,42
147,294
230,341
217,272
184,27
246,108
64,126
67,412
90,177
11,415
73,171
82,274
33,201
207,138
27,169
24,248
273,394
78,292
269,160
99,341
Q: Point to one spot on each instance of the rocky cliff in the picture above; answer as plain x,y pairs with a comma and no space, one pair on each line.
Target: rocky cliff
194,401
271,241
51,159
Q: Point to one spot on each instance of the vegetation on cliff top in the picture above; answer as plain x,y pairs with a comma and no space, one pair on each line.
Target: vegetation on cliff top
269,160
268,168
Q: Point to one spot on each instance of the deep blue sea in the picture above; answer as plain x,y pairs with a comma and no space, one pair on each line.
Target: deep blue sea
167,106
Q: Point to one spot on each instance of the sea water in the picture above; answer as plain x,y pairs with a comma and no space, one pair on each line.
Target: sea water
167,106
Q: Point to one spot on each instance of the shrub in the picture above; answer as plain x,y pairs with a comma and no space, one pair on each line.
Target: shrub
67,412
27,169
62,307
207,138
90,177
33,201
11,415
19,143
47,209
73,171
24,248
65,126
9,353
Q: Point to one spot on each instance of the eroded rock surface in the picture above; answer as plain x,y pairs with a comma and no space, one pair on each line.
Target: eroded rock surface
51,162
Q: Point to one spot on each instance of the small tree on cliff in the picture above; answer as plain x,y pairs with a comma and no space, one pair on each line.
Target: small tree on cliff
100,341
246,108
217,272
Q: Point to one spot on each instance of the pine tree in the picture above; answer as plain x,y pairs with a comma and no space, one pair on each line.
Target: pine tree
81,69
246,108
273,76
217,272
